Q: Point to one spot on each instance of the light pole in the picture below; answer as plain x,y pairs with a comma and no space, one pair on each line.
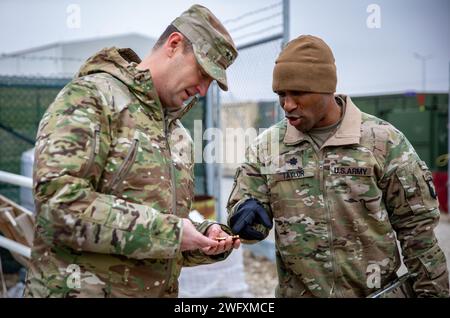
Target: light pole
423,59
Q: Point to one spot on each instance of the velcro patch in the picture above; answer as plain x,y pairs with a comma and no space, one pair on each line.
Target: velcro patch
292,175
351,171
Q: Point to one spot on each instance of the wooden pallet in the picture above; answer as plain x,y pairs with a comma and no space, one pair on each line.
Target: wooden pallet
17,224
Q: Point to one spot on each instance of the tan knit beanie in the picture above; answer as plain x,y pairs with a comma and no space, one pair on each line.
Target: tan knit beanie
305,64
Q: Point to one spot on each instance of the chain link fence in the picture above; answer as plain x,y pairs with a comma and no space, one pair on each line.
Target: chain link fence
250,103
23,101
250,106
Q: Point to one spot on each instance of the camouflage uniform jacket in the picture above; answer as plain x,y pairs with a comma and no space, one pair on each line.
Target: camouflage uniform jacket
113,177
336,209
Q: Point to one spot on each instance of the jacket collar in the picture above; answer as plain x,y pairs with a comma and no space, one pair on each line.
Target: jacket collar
348,133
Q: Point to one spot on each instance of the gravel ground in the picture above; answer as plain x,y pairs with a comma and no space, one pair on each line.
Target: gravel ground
261,275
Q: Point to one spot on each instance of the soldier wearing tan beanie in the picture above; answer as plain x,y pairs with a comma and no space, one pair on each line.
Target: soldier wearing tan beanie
336,184
305,80
306,64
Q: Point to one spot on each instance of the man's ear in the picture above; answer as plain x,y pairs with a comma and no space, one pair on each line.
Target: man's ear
174,43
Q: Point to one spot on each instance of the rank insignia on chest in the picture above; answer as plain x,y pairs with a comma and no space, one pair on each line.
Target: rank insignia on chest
292,162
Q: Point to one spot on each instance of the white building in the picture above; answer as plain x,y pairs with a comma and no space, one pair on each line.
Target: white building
63,59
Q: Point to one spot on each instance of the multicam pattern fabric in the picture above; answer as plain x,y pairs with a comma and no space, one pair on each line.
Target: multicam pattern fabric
338,210
113,177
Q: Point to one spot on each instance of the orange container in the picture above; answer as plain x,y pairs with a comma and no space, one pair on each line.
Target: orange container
206,206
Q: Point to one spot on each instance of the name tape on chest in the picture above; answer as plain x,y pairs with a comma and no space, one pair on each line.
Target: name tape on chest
292,175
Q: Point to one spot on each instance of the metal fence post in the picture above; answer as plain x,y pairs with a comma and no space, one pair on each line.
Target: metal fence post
213,170
251,89
286,22
286,35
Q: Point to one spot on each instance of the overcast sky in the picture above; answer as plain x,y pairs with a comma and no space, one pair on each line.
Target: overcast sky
371,58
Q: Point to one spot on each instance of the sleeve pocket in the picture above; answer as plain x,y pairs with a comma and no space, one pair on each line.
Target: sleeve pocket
427,187
418,187
434,262
115,214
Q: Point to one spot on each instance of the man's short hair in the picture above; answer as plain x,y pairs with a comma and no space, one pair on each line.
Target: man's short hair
187,45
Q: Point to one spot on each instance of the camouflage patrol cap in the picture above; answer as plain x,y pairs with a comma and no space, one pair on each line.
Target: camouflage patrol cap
213,46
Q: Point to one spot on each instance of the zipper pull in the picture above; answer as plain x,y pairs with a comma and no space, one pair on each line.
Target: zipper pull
188,103
126,273
97,139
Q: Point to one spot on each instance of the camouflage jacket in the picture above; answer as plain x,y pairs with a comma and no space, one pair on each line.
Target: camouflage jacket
337,209
113,177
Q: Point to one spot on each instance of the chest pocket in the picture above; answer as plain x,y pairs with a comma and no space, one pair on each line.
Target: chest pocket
294,192
142,161
351,178
119,170
352,181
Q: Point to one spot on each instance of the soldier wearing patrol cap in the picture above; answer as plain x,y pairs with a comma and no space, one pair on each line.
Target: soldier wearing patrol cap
113,175
340,185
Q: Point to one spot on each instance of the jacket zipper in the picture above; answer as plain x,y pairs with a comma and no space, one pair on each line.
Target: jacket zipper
95,150
330,229
125,167
174,201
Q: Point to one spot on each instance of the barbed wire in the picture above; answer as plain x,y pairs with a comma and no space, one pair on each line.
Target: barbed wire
250,13
256,22
258,32
41,58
